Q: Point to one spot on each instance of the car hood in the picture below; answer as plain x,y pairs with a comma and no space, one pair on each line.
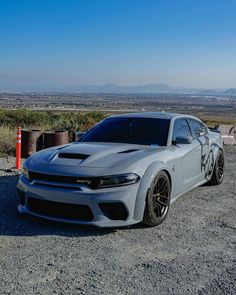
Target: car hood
94,155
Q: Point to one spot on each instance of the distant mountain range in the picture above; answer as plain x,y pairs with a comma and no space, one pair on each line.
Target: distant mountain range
226,92
138,89
146,89
113,88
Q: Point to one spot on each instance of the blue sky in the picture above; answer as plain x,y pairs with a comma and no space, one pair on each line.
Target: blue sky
189,43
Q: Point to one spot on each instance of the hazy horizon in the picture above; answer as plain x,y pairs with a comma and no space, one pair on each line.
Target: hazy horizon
50,44
110,88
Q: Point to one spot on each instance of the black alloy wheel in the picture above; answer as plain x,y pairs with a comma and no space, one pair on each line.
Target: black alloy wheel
209,166
219,168
158,200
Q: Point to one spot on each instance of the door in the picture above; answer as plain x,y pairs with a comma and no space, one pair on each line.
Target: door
200,134
188,155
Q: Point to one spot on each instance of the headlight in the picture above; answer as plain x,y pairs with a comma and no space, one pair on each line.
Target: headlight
118,180
25,172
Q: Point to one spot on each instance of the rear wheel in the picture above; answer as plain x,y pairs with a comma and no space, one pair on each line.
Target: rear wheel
218,172
157,200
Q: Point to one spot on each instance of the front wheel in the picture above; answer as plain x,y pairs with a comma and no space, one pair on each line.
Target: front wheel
157,200
218,172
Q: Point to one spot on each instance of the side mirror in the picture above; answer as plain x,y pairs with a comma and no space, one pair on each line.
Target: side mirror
183,140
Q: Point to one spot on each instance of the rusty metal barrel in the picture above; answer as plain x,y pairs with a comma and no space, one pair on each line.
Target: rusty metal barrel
32,141
56,137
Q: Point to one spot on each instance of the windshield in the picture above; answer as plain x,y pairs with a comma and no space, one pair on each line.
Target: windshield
146,131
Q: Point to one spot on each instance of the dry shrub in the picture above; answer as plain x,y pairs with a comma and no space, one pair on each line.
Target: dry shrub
7,140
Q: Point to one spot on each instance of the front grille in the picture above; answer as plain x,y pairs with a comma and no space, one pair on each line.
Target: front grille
60,210
91,182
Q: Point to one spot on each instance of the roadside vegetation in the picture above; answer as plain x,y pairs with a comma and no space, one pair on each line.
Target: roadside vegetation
213,119
43,120
71,121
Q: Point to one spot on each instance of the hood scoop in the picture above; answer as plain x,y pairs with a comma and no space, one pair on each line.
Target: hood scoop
73,156
62,147
127,151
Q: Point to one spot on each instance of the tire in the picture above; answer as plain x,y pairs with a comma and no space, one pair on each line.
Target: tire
157,200
219,167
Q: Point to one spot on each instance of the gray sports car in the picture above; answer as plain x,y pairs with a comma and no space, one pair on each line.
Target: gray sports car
127,169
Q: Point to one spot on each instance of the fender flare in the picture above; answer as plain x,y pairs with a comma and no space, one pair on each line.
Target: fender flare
146,181
215,148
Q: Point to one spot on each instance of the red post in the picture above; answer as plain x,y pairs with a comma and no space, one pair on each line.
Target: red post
18,148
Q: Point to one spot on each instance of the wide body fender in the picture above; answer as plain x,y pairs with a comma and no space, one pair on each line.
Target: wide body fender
146,181
215,149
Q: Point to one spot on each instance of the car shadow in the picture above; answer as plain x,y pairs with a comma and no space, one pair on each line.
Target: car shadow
12,223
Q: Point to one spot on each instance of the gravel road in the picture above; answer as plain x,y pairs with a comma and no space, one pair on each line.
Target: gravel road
193,252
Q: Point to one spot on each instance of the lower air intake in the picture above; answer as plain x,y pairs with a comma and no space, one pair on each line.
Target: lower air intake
114,211
60,210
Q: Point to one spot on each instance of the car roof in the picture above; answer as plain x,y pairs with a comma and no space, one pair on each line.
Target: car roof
157,115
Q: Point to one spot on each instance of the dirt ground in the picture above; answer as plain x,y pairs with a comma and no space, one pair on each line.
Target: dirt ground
192,252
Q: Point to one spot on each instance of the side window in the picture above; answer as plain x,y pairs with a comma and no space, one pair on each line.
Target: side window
197,128
181,128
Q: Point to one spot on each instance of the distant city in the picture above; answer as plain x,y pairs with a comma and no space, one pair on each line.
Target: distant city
118,101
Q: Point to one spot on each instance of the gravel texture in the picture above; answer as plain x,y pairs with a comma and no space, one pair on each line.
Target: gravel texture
192,252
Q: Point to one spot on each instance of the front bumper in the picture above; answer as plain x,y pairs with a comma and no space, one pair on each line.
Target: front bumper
48,194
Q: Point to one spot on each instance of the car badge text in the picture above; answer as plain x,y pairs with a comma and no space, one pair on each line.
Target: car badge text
83,181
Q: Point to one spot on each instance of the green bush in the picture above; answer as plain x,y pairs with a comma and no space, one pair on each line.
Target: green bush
28,119
43,120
